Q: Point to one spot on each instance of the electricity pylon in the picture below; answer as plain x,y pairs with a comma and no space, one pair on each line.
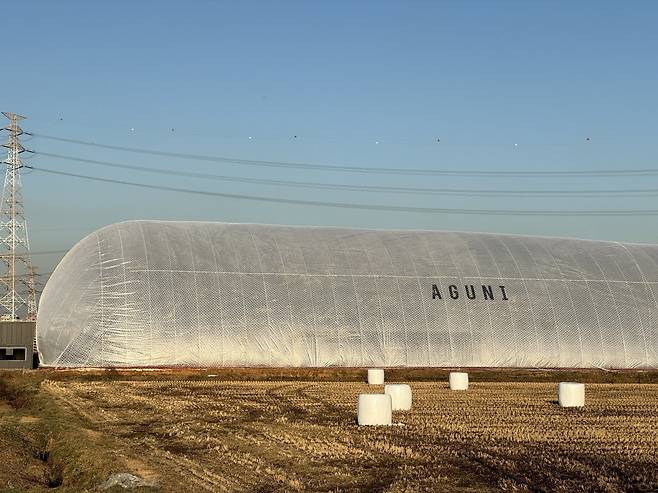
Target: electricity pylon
17,282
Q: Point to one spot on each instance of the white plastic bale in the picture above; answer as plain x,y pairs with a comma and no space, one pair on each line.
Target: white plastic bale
458,380
159,293
400,396
376,376
571,394
374,410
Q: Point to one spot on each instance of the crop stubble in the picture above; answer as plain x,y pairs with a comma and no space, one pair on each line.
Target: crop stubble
287,436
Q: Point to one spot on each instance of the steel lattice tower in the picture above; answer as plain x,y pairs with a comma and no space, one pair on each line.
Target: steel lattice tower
17,282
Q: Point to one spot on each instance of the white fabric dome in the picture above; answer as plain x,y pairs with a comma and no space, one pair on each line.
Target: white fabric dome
156,293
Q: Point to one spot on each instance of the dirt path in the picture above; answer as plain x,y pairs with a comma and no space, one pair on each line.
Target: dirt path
302,436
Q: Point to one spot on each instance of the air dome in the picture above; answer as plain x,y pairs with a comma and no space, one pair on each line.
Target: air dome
157,293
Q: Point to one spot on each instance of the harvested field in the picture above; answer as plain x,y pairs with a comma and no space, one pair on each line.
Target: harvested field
286,436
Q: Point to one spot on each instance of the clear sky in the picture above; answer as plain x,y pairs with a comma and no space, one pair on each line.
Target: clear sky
371,83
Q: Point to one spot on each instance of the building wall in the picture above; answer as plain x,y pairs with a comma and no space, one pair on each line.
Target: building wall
18,335
154,293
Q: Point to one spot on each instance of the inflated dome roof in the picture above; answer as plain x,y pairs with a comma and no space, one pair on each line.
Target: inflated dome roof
156,293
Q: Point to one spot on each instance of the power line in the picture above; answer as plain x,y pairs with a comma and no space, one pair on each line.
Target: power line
65,228
375,207
464,192
359,169
49,252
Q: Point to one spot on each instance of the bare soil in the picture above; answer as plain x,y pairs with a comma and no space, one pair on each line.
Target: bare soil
194,430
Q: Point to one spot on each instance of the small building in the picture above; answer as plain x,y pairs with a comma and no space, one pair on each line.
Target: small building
16,344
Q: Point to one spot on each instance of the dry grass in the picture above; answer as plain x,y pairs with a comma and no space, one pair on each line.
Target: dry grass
43,445
356,374
195,433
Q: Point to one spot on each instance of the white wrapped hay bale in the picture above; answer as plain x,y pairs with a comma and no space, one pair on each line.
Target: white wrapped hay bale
400,396
571,394
458,380
374,410
376,376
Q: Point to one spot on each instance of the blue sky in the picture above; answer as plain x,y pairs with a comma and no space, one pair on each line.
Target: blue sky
342,76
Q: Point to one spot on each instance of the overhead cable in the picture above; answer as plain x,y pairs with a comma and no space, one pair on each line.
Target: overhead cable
374,207
49,252
467,192
357,169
